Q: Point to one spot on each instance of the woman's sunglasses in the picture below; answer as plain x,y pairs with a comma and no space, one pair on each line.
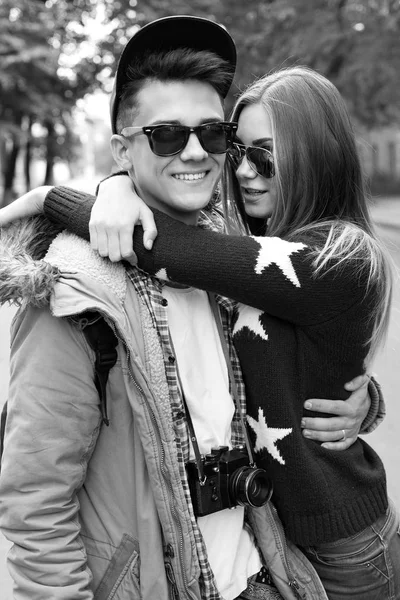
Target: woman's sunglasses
260,160
168,140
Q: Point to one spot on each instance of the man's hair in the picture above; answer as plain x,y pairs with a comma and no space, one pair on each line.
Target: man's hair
182,64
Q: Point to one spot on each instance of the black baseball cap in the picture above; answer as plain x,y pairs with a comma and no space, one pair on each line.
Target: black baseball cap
169,33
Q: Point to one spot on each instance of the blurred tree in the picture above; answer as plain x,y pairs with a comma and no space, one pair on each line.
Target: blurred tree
355,43
36,83
46,63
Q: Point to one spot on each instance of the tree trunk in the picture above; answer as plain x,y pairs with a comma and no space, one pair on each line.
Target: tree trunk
28,156
9,172
3,155
50,153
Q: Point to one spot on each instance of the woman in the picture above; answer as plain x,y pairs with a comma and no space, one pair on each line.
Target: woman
313,291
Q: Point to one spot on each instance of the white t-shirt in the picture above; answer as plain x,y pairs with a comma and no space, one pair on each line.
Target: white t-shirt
231,550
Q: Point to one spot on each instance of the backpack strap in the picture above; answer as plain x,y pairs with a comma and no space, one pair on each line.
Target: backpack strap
103,342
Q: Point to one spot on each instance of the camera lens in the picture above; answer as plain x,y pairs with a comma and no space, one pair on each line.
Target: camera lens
251,486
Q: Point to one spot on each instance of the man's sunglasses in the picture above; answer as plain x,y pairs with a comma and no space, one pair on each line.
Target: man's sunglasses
168,140
260,160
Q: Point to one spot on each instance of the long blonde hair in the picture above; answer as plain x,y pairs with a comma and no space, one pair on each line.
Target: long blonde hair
319,182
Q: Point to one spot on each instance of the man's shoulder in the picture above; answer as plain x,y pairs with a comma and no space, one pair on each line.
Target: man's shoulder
72,254
24,277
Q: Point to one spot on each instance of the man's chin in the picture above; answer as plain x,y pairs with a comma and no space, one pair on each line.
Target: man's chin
195,199
186,207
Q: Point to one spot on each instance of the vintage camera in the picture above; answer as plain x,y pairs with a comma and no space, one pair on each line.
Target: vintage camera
228,481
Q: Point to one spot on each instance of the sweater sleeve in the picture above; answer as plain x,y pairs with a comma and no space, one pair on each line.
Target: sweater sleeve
267,273
70,209
377,410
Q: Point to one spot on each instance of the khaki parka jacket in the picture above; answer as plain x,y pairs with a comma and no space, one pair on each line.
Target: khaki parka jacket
98,512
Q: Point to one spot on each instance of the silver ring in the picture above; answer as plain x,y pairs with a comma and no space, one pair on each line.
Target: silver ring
344,436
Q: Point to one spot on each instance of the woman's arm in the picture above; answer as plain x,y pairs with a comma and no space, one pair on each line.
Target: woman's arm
362,412
109,229
267,273
110,223
350,415
270,274
28,205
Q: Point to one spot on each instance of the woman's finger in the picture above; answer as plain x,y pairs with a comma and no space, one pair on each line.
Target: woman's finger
341,444
149,227
114,245
102,242
328,424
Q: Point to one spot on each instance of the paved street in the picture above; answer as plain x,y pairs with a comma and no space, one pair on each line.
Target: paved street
386,440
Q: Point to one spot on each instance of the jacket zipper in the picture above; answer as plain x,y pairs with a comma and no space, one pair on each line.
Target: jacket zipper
162,468
292,580
173,509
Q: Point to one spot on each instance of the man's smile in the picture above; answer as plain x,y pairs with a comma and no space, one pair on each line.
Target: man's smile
190,176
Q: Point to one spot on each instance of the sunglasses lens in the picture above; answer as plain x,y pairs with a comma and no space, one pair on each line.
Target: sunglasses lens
261,161
215,138
168,140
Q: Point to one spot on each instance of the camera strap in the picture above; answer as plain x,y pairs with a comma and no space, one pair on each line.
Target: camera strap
233,390
193,438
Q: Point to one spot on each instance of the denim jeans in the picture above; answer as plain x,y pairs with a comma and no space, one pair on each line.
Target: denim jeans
365,566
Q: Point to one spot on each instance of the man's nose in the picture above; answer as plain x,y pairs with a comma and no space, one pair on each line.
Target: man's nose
193,149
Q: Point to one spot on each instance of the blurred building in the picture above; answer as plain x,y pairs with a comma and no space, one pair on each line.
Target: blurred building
380,156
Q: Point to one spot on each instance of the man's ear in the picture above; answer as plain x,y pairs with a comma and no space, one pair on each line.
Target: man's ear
119,148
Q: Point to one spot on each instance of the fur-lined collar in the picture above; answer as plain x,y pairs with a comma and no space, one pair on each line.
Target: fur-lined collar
24,277
34,253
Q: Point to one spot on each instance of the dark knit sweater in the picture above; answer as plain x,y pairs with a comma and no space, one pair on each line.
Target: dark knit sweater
298,336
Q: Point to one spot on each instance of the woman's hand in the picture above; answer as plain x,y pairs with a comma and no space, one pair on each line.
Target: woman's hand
114,215
341,431
28,205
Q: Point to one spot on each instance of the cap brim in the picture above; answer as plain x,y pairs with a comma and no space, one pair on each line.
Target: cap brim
170,33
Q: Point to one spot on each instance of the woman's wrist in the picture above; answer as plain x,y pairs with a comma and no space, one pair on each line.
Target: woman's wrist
28,205
108,183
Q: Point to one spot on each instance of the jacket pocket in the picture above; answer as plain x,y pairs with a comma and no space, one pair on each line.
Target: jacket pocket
121,579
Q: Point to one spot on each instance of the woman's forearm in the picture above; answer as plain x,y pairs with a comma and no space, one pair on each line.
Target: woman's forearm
70,209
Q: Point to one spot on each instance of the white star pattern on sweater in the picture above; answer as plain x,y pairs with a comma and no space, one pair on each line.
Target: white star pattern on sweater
249,317
267,436
162,274
275,250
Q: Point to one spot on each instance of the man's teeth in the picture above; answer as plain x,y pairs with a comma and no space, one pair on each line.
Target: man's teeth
189,176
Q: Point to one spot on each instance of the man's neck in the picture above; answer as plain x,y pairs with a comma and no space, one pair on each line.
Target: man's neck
189,218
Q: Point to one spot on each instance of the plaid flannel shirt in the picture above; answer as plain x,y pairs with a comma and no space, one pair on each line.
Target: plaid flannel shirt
150,291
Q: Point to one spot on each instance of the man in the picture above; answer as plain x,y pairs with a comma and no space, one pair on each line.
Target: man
105,512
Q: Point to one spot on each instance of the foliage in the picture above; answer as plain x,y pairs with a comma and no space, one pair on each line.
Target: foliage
48,59
34,37
355,43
